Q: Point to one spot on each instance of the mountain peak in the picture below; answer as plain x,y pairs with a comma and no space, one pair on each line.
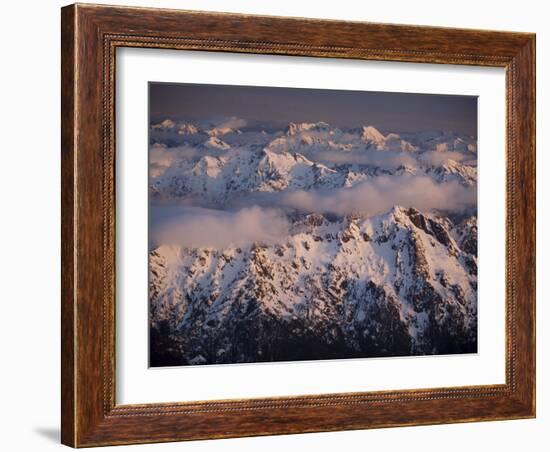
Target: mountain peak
294,128
216,143
187,129
164,125
371,133
222,130
208,166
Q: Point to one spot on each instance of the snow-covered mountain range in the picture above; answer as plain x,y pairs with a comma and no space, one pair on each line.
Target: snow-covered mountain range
371,251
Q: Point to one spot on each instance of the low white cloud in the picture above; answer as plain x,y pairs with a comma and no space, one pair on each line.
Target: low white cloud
392,159
207,228
231,123
440,158
384,159
163,156
380,194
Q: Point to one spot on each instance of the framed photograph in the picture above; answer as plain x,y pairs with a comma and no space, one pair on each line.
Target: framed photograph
281,225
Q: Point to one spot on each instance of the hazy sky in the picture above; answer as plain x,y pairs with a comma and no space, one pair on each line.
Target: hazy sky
400,112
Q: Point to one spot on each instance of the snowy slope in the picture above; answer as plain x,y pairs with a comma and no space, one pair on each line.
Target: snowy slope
335,285
307,156
396,284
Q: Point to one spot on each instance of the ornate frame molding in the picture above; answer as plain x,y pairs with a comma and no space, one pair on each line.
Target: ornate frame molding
90,36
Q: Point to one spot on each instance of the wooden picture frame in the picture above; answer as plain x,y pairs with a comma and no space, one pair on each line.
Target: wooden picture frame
90,36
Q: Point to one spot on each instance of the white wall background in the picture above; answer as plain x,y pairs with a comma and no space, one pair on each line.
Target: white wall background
29,225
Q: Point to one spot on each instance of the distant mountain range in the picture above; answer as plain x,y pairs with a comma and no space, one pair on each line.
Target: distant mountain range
338,285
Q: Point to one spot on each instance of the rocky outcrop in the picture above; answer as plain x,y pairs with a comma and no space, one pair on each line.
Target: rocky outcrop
337,287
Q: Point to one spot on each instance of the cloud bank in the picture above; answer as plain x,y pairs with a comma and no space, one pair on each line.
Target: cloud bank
207,228
162,156
372,197
231,123
391,159
380,194
439,158
384,159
